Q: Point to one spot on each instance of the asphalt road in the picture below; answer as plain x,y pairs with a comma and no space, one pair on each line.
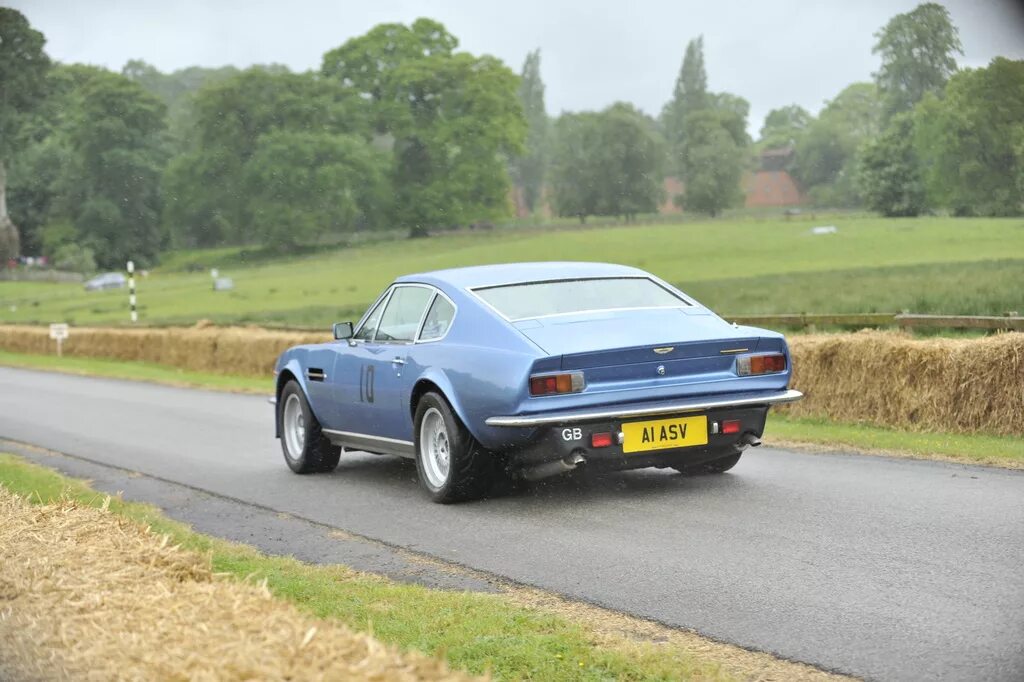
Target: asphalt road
883,568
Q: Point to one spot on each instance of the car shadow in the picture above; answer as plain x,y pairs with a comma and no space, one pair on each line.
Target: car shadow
583,487
576,488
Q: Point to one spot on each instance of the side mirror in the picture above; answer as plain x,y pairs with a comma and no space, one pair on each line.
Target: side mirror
342,330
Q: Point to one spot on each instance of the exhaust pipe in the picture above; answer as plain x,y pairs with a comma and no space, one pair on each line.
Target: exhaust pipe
751,440
548,469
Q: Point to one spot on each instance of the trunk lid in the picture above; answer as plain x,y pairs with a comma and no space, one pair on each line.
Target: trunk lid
635,336
641,354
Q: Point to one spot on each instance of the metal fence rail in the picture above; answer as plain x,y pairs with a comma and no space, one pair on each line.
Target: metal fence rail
1006,322
1012,322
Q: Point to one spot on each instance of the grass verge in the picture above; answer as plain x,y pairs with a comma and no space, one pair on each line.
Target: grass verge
1003,451
138,371
476,632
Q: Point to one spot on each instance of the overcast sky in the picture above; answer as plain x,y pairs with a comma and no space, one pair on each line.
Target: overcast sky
593,53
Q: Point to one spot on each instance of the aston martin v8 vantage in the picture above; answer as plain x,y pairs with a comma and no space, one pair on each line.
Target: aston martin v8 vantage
529,370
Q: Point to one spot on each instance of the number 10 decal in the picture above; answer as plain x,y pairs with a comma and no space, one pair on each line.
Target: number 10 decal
366,373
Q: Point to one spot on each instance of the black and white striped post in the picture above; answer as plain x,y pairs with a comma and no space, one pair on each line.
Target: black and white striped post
131,290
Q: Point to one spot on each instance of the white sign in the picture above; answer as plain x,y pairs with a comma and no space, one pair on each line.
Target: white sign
59,332
131,267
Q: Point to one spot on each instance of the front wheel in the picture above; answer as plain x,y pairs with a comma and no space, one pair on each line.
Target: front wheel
452,466
715,466
306,449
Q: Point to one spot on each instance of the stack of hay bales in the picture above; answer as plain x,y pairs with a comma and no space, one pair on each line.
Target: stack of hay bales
893,379
875,377
247,351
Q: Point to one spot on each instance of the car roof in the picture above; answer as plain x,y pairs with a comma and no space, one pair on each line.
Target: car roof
515,273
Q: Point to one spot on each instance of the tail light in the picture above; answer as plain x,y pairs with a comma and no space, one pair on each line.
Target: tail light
554,384
747,365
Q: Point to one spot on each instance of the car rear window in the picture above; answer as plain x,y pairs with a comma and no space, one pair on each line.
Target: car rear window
565,297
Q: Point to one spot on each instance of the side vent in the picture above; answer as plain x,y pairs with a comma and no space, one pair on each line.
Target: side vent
316,374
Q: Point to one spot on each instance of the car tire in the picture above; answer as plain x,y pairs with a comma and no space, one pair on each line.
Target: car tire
306,449
452,465
715,466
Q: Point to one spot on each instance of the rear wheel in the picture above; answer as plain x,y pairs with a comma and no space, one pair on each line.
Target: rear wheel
452,466
305,448
715,466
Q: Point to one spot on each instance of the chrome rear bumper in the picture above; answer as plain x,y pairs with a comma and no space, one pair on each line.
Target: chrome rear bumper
701,404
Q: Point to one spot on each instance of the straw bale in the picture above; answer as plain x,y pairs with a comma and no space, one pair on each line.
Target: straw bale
893,379
882,378
248,351
88,595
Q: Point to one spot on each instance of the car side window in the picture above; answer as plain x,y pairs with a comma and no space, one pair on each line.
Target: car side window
401,318
366,332
438,319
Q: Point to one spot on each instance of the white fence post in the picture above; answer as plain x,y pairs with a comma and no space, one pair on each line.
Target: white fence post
131,290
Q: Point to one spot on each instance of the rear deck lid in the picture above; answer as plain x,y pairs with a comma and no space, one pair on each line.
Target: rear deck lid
632,336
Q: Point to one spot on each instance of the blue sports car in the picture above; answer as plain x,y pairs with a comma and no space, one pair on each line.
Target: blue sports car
529,370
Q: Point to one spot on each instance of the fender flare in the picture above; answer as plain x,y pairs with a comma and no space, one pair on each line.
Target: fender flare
294,368
440,379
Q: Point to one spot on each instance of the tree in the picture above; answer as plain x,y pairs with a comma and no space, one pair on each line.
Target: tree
607,163
366,63
970,141
454,121
460,125
115,134
176,90
306,185
784,126
918,51
33,189
23,66
529,168
826,153
206,200
732,111
575,174
690,94
630,155
889,171
40,190
714,162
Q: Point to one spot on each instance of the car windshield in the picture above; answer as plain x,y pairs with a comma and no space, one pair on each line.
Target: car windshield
565,297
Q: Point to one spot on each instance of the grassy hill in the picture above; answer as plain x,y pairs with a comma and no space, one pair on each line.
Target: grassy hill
927,265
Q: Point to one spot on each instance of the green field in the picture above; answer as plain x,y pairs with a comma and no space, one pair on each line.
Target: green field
742,266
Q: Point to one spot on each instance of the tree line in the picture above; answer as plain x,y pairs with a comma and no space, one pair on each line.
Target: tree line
400,129
396,129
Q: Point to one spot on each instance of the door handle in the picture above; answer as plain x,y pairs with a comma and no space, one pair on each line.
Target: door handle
398,361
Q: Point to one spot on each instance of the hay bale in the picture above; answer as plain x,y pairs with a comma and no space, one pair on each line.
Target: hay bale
22,339
89,595
247,351
893,379
883,378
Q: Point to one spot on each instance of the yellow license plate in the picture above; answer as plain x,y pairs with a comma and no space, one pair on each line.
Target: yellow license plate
662,434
